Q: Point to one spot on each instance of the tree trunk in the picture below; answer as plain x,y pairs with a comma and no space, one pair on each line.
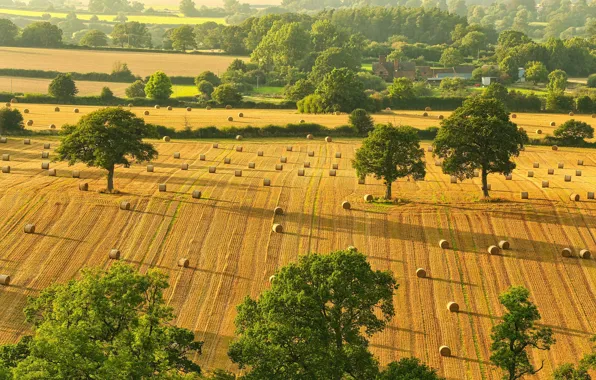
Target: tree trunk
388,191
111,178
484,182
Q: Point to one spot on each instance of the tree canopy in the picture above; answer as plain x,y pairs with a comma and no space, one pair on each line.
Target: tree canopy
63,87
159,86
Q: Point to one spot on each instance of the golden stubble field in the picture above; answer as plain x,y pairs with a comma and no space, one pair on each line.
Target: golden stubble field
43,115
227,237
85,61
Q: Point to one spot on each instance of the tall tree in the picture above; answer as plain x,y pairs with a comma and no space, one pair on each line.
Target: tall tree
188,8
315,321
41,34
106,138
478,135
536,72
284,45
389,153
341,91
8,32
62,87
517,333
557,81
183,38
574,132
112,324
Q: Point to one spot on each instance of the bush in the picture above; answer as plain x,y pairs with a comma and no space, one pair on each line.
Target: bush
361,121
209,77
106,93
63,87
299,90
311,104
11,120
592,81
159,86
557,102
136,90
585,104
574,132
226,94
205,88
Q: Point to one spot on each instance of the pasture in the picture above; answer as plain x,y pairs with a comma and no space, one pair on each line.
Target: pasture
43,115
227,236
140,63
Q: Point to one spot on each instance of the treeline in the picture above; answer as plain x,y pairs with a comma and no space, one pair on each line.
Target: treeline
124,76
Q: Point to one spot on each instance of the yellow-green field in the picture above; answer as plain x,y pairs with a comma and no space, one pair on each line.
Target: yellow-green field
85,61
149,19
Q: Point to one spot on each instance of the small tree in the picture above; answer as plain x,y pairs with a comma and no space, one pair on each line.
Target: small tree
451,57
11,120
63,87
591,81
205,88
517,333
478,135
585,104
106,93
557,81
183,38
106,138
453,86
568,371
315,321
94,38
390,153
402,89
536,72
361,121
299,90
573,132
136,90
159,86
409,369
226,94
209,77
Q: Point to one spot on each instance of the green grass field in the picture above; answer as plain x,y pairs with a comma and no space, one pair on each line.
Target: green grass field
149,19
266,90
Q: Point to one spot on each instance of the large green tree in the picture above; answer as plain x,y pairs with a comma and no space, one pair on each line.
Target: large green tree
183,38
341,91
159,86
106,138
62,87
536,72
112,324
11,120
409,369
574,132
8,32
389,153
284,45
557,81
517,333
226,94
41,34
315,321
451,57
131,34
478,135
94,38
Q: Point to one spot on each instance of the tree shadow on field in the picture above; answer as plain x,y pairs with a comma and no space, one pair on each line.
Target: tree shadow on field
450,281
472,360
389,348
59,237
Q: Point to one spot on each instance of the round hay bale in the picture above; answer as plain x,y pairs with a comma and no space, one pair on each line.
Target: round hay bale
300,172
251,165
445,351
26,110
227,160
309,137
429,149
29,228
580,162
361,181
504,244
574,197
425,114
239,148
240,114
56,109
47,146
571,114
166,139
283,160
3,140
346,205
441,117
150,168
130,105
567,178
513,116
578,173
202,157
594,116
183,262
27,141
536,165
335,166
215,145
6,169
169,108
176,154
125,205
239,137
311,153
29,123
332,173
84,186
368,198
421,272
590,195
208,108
7,104
438,163
328,139
453,179
585,254
277,228
196,194
530,173
228,107
302,121
554,147
352,248
184,166
4,279
337,113
508,177
14,100
551,171
6,157
476,173
156,106
188,109
146,113
539,131
493,250
278,211
566,252
388,109
76,110
266,182
545,184
444,244
45,154
427,109
560,165
271,278
306,164
260,153
553,124
279,167
45,165
114,254
453,307
162,187
289,148
337,154
52,172
238,173
211,169
76,174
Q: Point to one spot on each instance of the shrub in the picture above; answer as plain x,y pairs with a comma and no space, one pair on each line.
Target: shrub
361,121
11,120
592,81
62,87
557,102
584,104
205,88
106,93
136,90
573,132
311,104
299,90
226,94
159,86
209,77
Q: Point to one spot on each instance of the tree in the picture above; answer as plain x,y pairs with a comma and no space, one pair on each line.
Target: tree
451,57
568,371
183,37
496,91
209,77
334,58
94,38
116,324
478,135
131,34
106,93
473,42
402,89
62,87
108,6
510,67
536,72
389,153
299,90
409,369
188,8
315,320
585,104
361,121
11,120
205,88
517,333
8,32
573,132
592,81
41,34
226,94
284,45
557,81
453,86
159,86
106,138
136,90
340,90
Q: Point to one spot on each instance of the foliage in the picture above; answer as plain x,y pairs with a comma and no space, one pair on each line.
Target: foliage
341,91
94,38
556,101
574,132
226,94
453,86
106,93
496,91
62,87
11,120
536,72
389,153
209,77
409,369
159,86
299,90
136,90
568,371
131,34
315,320
451,57
205,88
557,81
585,104
478,135
183,38
361,121
591,81
371,81
311,104
335,58
517,333
41,34
284,45
106,138
8,32
401,90
188,8
111,324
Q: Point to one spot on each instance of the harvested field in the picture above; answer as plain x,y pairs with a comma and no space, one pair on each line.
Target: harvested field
85,61
227,237
43,115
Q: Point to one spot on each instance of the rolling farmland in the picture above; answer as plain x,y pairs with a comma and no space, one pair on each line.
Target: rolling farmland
227,237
